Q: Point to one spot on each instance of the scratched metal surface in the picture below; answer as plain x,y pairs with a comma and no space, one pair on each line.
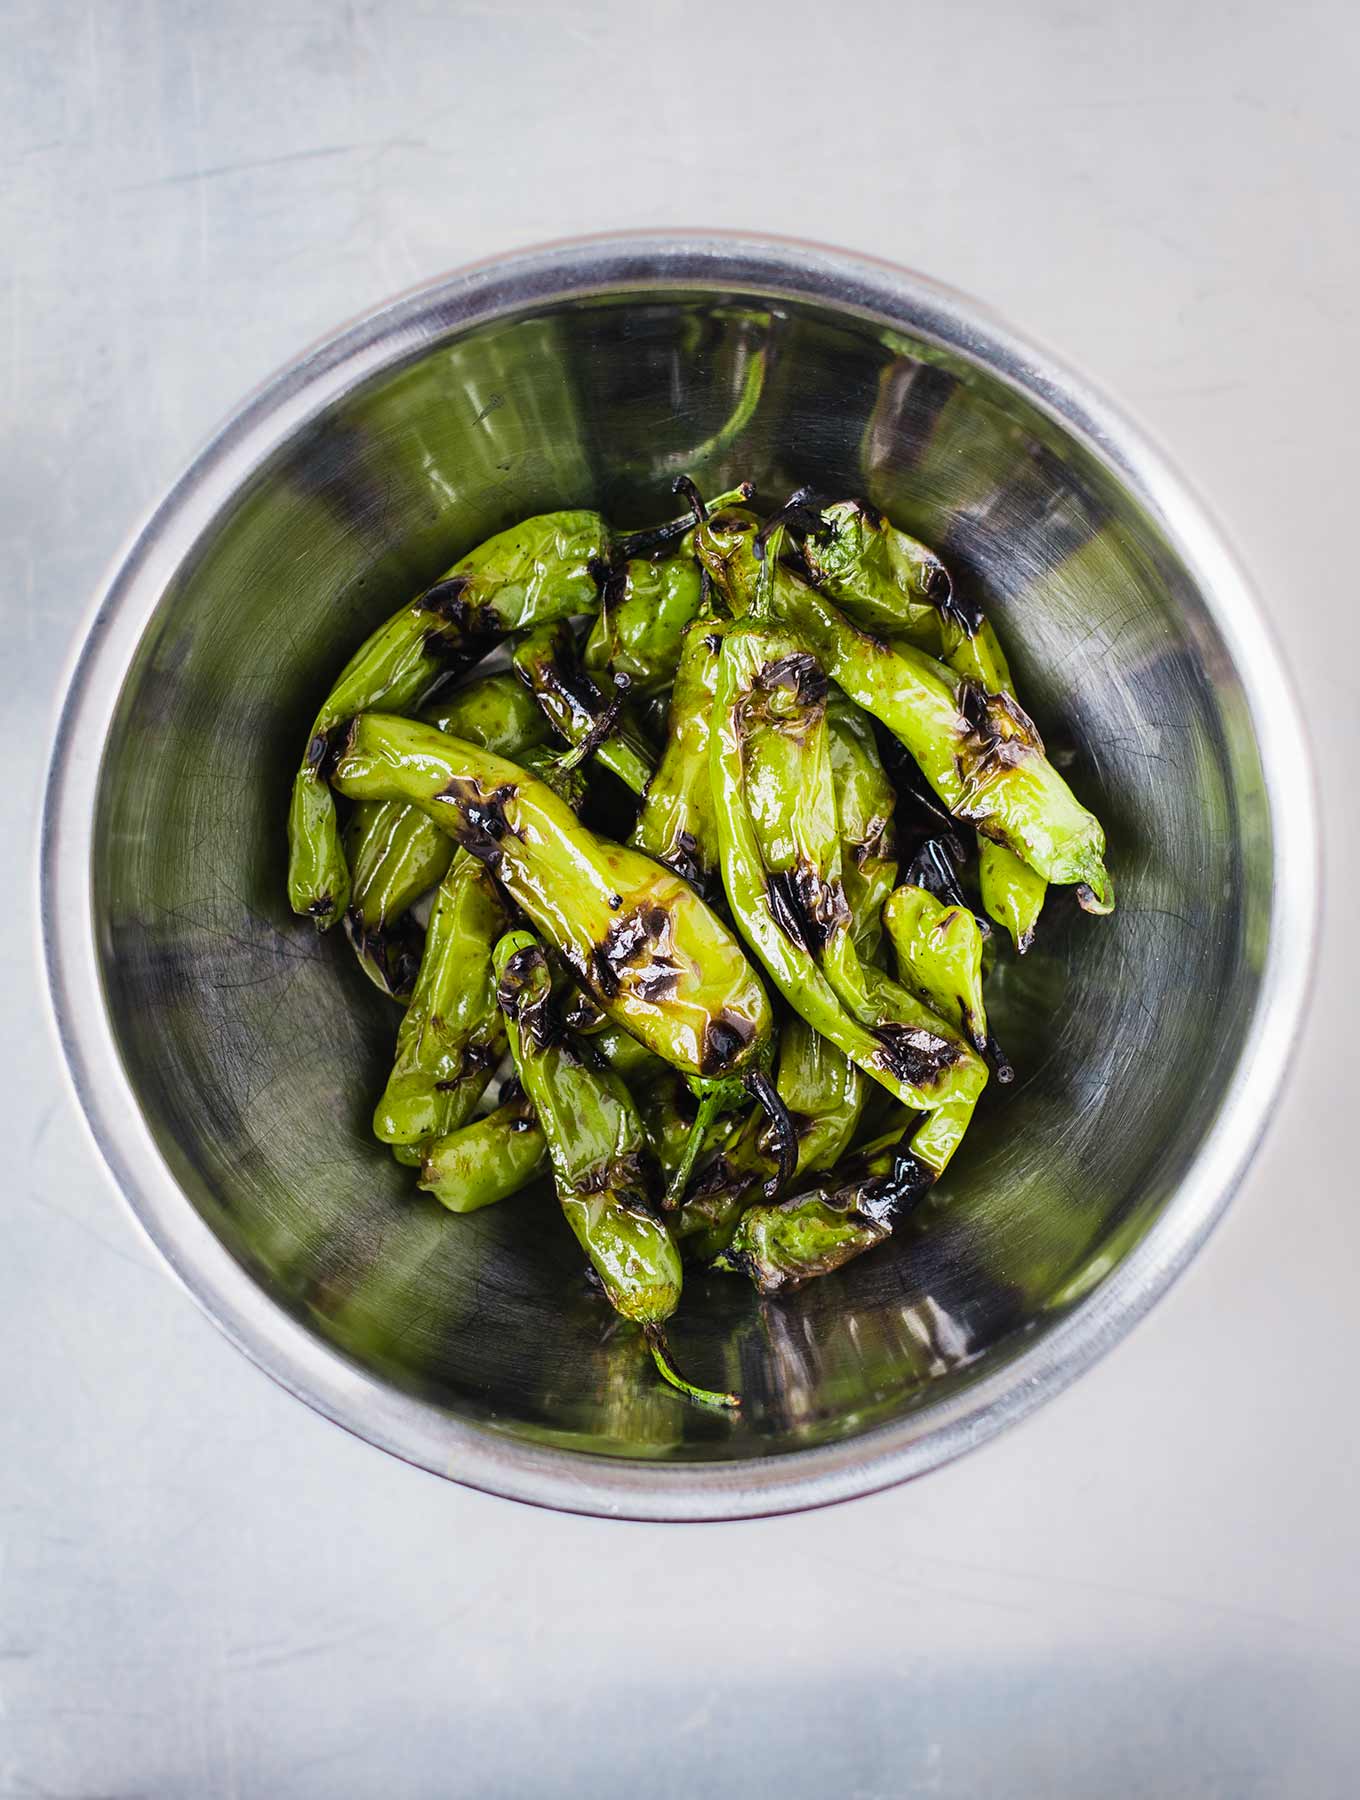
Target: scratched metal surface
1151,1586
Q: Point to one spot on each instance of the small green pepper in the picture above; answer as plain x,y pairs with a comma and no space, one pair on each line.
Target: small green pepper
395,855
1012,893
598,1153
939,957
543,568
783,1245
546,662
779,839
676,824
636,938
870,569
487,1160
644,609
451,1038
980,752
866,803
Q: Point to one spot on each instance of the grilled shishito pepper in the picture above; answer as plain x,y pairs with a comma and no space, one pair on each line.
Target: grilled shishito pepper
636,937
782,1246
870,568
644,609
546,662
939,956
396,854
487,1160
451,1037
541,569
779,838
865,803
980,752
676,823
597,1150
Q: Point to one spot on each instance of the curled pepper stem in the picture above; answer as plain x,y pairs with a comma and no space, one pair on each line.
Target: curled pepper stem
766,1095
661,1356
655,537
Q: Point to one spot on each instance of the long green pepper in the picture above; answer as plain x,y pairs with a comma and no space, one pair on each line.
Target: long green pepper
598,1150
541,569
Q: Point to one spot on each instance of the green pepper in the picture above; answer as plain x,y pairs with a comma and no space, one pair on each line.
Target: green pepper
676,824
823,1091
783,1245
980,752
939,956
597,1150
885,580
866,803
636,938
451,1037
868,567
494,711
541,569
487,1160
779,838
396,854
545,661
1012,893
644,609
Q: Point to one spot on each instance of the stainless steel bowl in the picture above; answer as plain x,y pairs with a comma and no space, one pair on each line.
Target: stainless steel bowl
227,1058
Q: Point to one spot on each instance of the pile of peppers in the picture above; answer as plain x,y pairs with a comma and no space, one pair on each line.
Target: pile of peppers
753,1034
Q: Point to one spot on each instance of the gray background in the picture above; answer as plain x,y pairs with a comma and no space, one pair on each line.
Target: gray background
1151,1587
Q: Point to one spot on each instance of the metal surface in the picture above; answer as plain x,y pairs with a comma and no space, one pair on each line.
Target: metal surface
1151,1587
230,1076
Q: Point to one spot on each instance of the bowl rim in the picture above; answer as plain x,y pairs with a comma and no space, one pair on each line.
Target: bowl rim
416,1430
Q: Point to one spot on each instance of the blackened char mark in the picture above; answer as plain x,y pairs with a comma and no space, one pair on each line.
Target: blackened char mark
683,859
637,942
808,910
800,673
915,1056
888,1199
725,1037
525,994
933,867
445,600
481,817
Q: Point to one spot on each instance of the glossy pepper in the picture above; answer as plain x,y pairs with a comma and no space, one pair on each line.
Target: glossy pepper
781,1246
541,569
647,602
866,803
676,824
598,1154
980,752
635,937
869,567
451,1037
396,854
487,1160
778,833
939,957
545,660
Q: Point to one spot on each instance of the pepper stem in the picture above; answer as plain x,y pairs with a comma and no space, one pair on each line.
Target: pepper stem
766,1095
660,1349
709,1107
655,537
